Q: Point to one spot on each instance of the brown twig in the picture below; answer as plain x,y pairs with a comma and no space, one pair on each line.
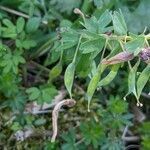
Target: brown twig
67,102
132,147
129,138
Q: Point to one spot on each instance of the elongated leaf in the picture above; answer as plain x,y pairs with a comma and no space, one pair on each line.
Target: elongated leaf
112,74
119,24
94,82
142,80
8,23
131,80
33,24
20,24
69,76
91,24
55,72
84,65
104,20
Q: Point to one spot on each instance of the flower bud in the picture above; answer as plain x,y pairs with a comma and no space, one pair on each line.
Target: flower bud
145,54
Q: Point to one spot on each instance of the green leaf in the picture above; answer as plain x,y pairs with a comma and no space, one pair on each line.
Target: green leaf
69,39
93,133
33,92
70,35
69,77
33,24
132,80
70,139
142,80
11,61
48,93
10,30
135,45
94,83
91,24
16,126
104,20
92,45
27,44
20,24
112,74
119,23
84,65
55,72
17,58
8,23
117,106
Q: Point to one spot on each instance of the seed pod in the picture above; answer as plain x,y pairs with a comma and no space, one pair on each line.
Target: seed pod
93,83
69,76
142,80
132,80
55,72
112,74
119,58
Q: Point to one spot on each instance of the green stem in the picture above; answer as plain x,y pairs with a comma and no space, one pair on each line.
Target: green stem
104,49
79,142
123,37
77,48
44,48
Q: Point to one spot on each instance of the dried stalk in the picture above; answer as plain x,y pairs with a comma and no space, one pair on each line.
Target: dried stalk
129,138
14,12
18,13
67,102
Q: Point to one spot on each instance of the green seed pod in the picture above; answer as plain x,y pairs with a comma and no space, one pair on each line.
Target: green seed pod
94,83
132,80
69,76
142,80
55,72
112,74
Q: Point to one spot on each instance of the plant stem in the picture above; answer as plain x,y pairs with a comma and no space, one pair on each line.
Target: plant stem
40,66
102,56
14,12
79,142
77,48
17,13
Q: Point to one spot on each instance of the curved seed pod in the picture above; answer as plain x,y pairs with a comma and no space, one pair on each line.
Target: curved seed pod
119,58
93,83
112,74
132,83
69,77
142,80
